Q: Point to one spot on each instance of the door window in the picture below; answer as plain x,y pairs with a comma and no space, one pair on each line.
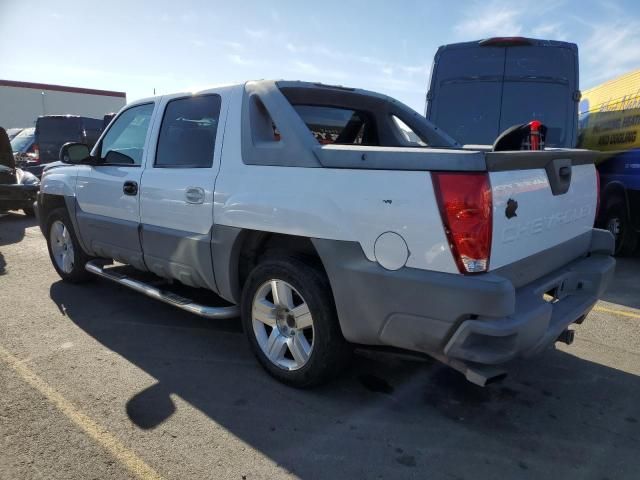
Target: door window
123,143
188,133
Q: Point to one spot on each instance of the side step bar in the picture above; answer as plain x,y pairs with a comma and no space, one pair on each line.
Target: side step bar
166,297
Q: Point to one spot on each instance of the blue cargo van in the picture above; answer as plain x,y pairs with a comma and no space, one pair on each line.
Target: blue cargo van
610,123
479,89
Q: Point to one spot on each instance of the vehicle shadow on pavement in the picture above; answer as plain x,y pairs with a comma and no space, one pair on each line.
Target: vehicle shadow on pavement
557,416
625,288
12,230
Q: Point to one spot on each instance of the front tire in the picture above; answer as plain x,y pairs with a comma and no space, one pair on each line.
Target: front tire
290,321
65,252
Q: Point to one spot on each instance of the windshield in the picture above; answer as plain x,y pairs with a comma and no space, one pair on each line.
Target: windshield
62,129
12,132
23,140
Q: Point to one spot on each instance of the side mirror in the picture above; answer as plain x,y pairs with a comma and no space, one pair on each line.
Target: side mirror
74,153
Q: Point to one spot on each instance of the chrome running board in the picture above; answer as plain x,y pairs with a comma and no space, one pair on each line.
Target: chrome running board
176,300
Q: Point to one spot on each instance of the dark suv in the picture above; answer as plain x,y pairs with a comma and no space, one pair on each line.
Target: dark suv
53,131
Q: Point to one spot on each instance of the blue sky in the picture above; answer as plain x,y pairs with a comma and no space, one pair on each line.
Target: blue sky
380,45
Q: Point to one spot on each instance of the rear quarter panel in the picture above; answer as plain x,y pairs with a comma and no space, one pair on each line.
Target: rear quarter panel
337,204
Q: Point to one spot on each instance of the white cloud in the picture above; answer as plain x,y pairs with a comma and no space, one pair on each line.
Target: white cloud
306,67
295,48
549,31
240,60
414,69
315,72
256,34
609,50
489,20
188,17
232,45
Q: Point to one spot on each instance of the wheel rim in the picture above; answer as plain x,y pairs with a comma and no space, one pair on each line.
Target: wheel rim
614,226
62,246
282,324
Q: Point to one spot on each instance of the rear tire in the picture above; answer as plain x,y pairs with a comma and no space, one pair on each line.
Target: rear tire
65,252
290,321
617,222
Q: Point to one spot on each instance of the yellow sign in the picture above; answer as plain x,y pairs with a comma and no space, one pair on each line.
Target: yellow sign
609,115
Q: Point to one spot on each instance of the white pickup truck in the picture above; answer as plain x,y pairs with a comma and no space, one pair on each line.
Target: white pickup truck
328,216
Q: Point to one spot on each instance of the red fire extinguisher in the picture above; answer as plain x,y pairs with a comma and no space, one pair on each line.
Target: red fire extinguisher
536,141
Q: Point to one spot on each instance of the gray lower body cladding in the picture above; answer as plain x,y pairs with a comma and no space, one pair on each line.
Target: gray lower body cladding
485,319
185,256
109,237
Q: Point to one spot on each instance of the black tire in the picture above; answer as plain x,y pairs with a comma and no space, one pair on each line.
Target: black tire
331,352
617,222
29,212
77,274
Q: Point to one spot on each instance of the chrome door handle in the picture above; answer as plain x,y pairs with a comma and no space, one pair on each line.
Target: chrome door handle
194,195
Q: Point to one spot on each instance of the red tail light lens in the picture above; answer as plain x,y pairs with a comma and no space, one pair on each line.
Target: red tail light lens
34,153
466,209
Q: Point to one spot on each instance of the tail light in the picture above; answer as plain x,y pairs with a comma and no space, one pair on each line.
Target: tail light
466,209
34,153
505,42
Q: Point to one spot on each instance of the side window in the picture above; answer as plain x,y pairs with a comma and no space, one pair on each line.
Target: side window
341,126
124,141
408,135
188,132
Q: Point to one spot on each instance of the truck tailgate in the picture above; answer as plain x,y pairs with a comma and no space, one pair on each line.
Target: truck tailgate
540,200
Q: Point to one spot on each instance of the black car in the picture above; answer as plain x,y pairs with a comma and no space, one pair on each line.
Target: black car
25,148
51,132
18,189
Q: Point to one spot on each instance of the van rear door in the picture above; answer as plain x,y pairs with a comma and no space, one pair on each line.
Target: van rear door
464,96
540,82
479,89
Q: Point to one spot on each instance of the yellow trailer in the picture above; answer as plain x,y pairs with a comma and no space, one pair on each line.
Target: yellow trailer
609,121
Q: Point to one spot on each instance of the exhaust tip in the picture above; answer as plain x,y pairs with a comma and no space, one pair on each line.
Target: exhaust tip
483,378
496,379
566,337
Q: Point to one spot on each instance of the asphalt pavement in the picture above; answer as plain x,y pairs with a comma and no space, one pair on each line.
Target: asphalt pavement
99,382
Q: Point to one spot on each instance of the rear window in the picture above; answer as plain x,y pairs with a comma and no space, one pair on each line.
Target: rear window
58,128
21,142
341,126
547,102
188,133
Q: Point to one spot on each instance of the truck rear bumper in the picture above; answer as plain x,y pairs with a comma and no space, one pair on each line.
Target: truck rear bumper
543,310
15,197
486,319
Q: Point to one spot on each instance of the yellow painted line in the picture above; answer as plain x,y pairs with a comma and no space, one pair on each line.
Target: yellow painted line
623,313
127,457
